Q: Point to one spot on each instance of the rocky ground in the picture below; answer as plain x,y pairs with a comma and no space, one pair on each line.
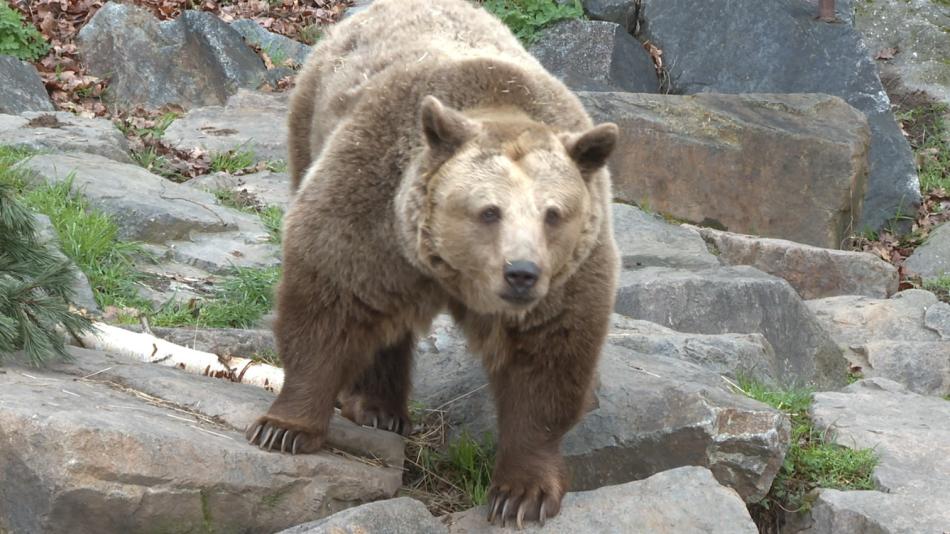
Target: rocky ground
745,177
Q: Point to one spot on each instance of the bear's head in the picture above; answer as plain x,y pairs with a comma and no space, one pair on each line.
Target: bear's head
500,208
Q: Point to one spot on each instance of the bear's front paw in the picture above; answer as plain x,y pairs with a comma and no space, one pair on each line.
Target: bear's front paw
269,433
520,495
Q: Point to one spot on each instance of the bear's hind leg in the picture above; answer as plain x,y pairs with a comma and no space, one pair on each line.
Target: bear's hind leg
379,397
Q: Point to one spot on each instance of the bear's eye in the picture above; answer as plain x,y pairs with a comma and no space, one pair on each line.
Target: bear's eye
552,216
490,215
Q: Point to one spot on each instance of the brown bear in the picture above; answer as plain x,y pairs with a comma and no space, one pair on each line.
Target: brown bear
437,165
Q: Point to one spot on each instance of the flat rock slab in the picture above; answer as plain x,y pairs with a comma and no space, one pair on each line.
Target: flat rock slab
788,166
860,512
623,12
248,121
647,240
146,206
932,259
910,433
653,412
224,251
780,47
64,132
194,60
393,516
682,500
813,271
916,31
139,447
592,55
268,188
22,88
738,299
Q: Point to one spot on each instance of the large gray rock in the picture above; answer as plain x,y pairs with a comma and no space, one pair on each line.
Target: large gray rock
861,512
104,444
910,433
64,132
596,56
194,60
917,31
905,338
279,48
22,89
147,207
737,299
813,271
646,240
266,188
683,500
932,259
393,516
750,46
653,412
786,166
248,121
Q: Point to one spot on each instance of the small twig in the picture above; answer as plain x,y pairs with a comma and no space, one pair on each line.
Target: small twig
94,374
205,430
71,393
460,397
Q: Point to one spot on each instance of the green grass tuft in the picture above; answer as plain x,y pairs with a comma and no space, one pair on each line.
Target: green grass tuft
526,18
812,461
242,299
232,161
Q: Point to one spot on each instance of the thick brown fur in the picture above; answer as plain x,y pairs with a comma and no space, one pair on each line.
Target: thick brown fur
406,122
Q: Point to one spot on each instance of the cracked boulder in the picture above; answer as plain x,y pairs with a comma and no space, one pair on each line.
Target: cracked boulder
905,338
653,412
738,299
194,60
135,447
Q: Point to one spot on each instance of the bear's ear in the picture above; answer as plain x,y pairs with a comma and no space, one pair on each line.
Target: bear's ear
591,149
445,129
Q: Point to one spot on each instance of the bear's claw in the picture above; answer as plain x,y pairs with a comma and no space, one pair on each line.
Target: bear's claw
519,503
267,435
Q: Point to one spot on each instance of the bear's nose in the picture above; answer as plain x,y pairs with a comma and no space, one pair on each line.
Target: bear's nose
522,275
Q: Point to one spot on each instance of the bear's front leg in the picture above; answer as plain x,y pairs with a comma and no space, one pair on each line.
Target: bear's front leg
323,346
541,389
